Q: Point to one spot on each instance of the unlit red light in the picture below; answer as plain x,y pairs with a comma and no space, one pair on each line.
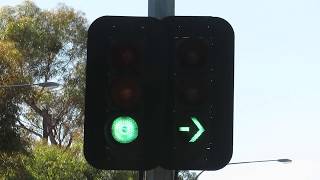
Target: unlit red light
124,57
125,93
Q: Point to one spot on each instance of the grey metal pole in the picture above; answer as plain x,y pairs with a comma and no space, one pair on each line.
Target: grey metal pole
159,174
160,9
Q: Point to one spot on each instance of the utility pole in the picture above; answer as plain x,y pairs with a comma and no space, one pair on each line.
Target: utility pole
160,9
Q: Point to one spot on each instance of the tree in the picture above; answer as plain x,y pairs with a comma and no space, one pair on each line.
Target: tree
52,44
10,59
41,46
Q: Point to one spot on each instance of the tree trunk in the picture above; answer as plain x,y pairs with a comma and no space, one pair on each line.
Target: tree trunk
45,129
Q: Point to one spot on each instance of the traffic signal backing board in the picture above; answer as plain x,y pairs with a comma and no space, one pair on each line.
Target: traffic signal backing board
159,93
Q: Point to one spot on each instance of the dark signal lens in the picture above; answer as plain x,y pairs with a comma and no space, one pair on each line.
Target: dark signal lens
191,92
125,56
125,93
192,95
192,52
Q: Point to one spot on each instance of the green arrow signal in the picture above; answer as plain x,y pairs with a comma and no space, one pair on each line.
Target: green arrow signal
185,129
200,129
199,126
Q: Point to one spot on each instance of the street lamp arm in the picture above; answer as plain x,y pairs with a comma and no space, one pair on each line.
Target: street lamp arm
44,84
16,85
248,162
48,84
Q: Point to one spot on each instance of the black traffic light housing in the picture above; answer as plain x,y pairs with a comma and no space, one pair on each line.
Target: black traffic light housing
159,93
200,115
125,99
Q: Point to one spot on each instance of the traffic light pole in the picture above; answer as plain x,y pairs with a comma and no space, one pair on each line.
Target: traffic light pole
160,9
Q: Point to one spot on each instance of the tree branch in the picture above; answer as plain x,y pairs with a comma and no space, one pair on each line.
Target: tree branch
31,124
33,105
30,130
64,110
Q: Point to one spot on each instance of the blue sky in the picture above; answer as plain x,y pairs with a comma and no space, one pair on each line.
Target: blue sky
277,86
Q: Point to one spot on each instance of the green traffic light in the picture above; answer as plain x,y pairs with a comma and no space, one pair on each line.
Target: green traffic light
124,129
200,129
196,136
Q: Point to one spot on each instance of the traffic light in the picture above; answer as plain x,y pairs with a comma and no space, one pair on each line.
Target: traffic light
125,99
159,93
200,92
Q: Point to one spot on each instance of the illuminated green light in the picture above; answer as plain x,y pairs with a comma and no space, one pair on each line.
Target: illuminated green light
196,136
184,129
124,129
200,129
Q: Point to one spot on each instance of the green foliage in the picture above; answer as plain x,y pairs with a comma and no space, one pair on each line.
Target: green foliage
10,60
54,162
39,46
12,166
48,40
9,135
